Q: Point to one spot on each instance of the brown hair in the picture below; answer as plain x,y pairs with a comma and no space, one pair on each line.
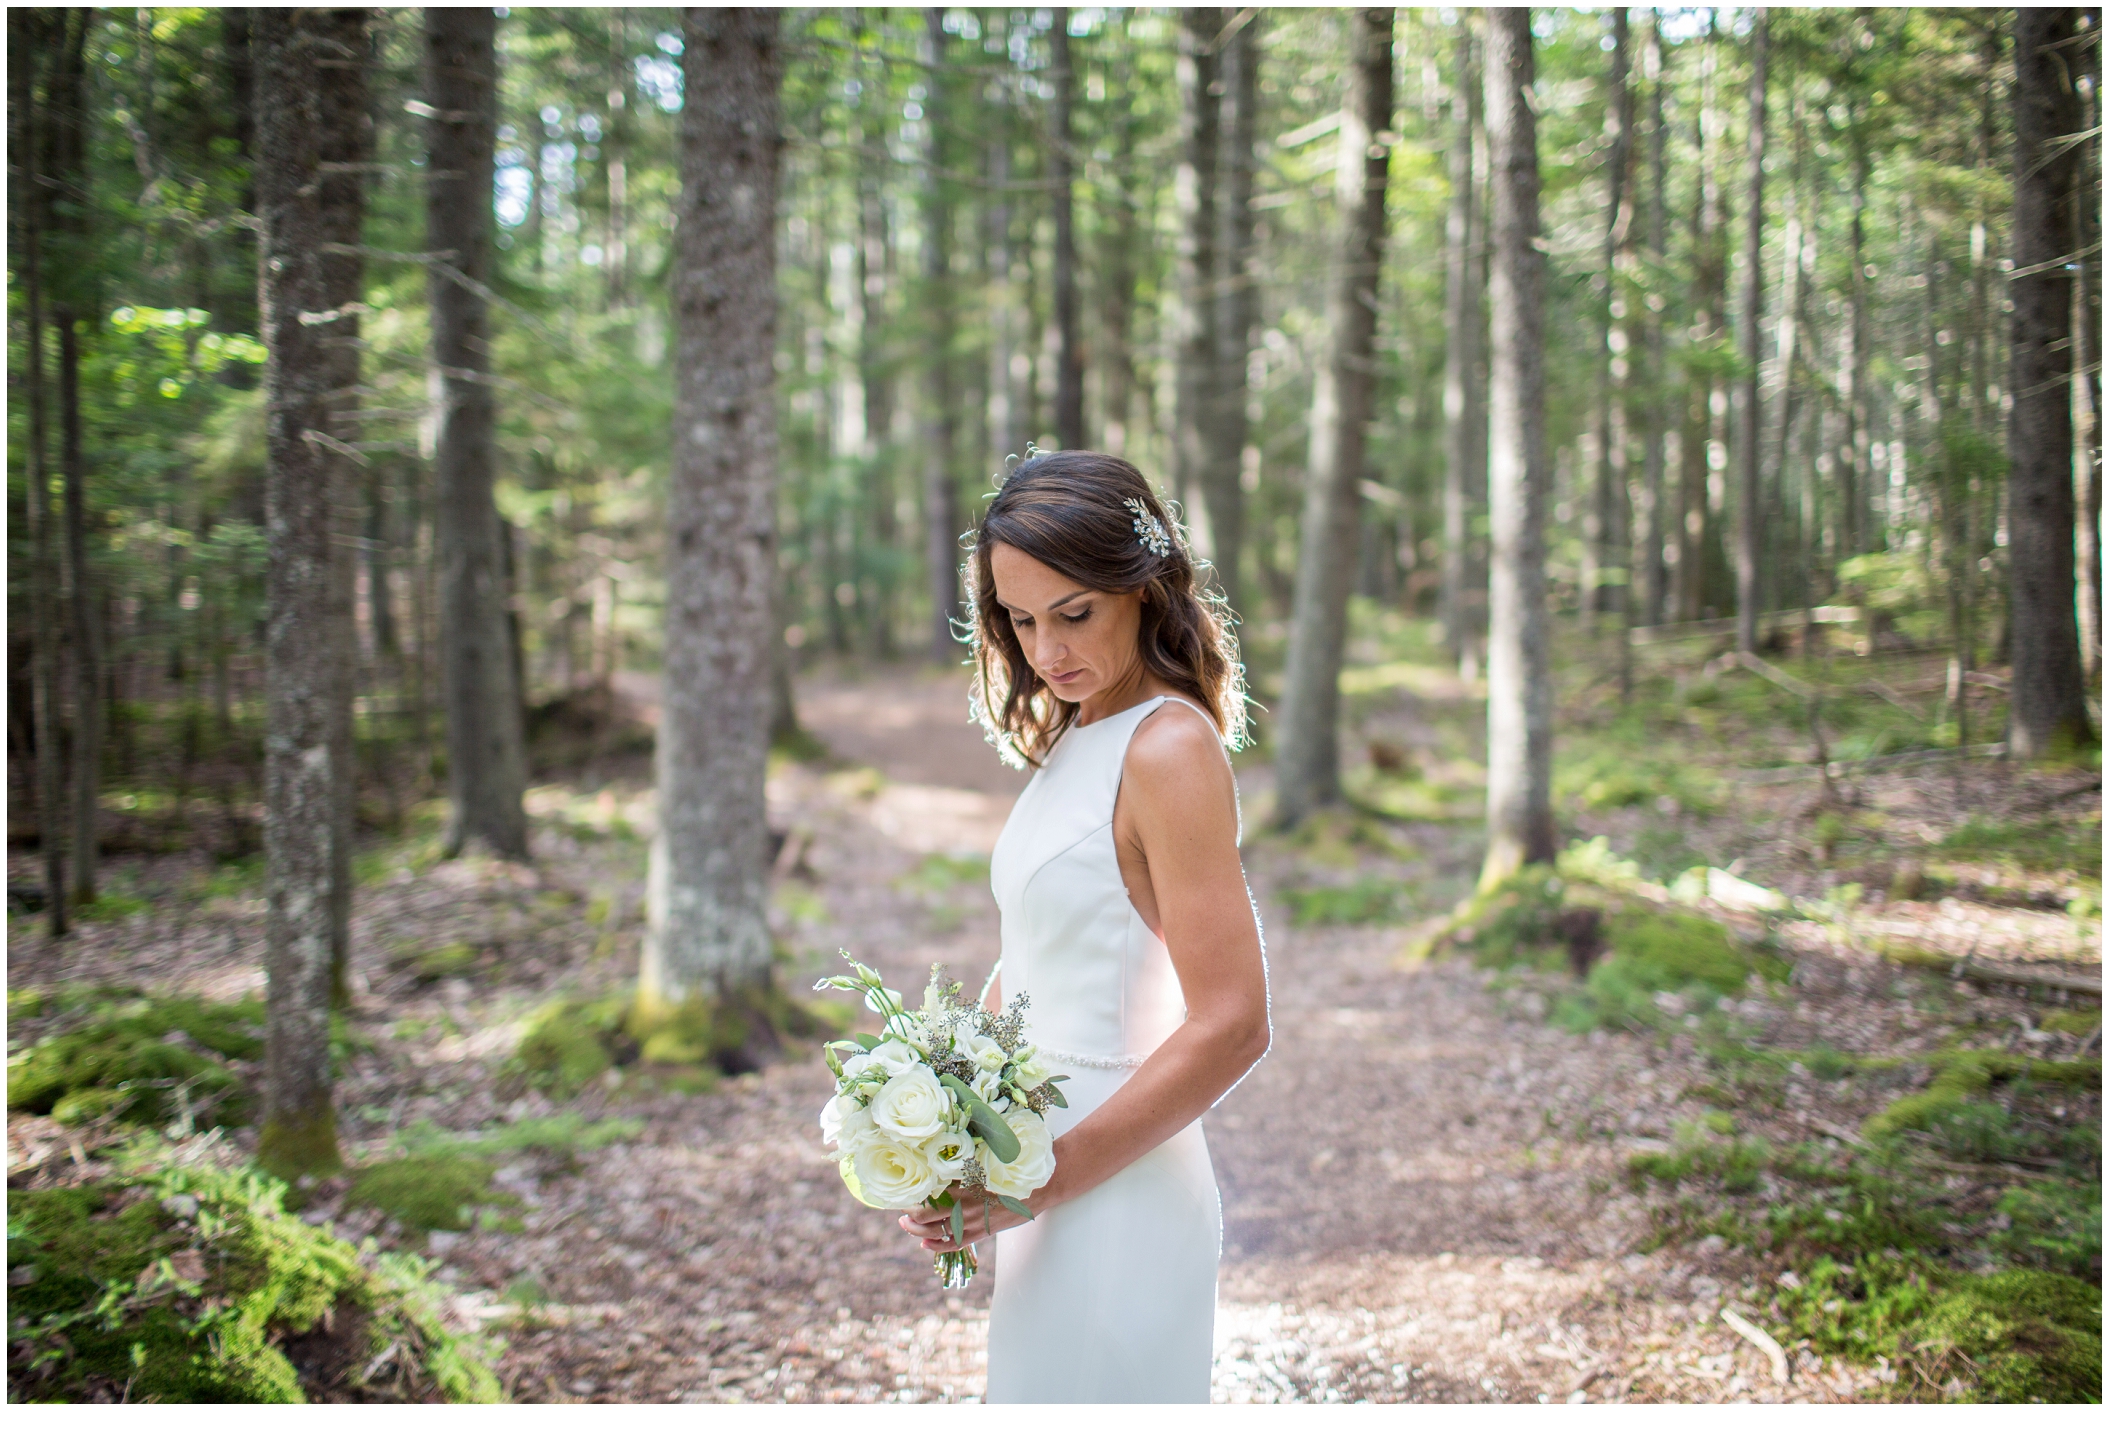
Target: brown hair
1073,511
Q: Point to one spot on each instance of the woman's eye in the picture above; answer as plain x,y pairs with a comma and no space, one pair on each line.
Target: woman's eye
1083,616
1021,622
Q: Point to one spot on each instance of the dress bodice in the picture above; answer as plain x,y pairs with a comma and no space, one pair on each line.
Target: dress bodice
1102,987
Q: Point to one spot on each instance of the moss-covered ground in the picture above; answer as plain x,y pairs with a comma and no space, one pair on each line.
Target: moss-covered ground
185,1280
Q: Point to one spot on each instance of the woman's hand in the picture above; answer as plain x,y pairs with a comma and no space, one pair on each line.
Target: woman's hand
932,1227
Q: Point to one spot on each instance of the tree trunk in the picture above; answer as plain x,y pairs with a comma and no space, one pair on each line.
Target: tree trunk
1603,530
1464,419
1307,767
1750,512
1854,483
1068,312
1237,306
29,33
1519,673
68,171
300,791
486,749
344,144
2049,708
709,930
1194,315
940,407
1651,575
874,366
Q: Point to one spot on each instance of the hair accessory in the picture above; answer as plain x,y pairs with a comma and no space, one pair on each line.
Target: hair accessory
1149,530
1010,463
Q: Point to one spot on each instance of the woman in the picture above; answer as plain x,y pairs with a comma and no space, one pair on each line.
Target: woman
1126,916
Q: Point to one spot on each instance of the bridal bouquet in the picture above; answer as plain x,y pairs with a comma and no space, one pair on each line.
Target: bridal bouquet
942,1106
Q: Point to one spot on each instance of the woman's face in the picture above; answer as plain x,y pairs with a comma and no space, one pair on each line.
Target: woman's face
1079,641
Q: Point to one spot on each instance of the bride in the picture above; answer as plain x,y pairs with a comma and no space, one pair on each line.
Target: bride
1125,916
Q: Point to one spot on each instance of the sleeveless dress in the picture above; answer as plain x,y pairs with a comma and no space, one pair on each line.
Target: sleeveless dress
1111,1297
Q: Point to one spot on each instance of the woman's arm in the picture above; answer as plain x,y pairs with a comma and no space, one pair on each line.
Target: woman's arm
1176,827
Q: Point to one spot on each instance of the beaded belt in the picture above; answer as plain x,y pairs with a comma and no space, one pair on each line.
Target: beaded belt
1085,1060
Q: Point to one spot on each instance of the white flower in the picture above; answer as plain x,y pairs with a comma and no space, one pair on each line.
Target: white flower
1035,1162
891,997
1031,1072
895,1056
910,1027
989,1086
948,1152
893,1173
982,1052
844,1122
911,1106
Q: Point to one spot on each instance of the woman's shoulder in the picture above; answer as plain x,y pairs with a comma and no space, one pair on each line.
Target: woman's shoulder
1175,746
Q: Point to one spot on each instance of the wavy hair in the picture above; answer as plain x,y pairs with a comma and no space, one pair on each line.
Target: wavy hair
1073,511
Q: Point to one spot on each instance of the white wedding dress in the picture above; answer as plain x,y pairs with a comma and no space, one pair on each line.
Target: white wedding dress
1111,1297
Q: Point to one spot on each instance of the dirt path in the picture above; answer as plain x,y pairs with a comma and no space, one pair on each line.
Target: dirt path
1421,1184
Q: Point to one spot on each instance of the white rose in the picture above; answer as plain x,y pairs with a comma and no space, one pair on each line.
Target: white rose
911,1106
844,1122
892,1173
895,1056
1035,1162
947,1152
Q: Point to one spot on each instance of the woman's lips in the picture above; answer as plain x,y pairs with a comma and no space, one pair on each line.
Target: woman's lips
1063,679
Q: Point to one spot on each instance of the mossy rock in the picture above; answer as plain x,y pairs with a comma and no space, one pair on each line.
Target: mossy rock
571,1043
685,1045
186,1284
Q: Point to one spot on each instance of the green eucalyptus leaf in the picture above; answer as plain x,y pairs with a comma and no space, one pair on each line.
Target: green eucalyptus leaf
983,1121
1016,1206
868,1041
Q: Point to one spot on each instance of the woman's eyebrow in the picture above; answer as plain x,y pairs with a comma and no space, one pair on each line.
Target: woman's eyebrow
1057,602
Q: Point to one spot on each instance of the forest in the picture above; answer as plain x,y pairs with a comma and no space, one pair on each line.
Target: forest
487,493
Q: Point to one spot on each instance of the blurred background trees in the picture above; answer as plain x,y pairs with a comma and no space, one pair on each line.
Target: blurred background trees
1782,371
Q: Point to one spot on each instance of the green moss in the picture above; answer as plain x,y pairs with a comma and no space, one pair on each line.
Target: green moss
939,872
190,1284
2017,1336
428,1191
2031,841
1365,900
570,1043
298,1146
433,965
167,1054
1737,1166
2075,1021
1963,1075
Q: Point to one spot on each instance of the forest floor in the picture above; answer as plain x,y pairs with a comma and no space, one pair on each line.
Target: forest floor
1428,1186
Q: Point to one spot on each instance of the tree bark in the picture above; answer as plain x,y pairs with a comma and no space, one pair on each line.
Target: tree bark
299,1128
1307,767
345,143
709,931
875,366
940,407
1068,310
1854,483
1519,674
29,33
68,170
1603,531
2049,707
1464,418
486,748
1651,575
1237,306
1194,276
1750,512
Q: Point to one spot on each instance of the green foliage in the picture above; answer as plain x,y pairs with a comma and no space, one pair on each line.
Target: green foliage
436,1190
449,960
184,1283
571,1043
1736,1166
2018,1336
940,872
2056,1223
1365,900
